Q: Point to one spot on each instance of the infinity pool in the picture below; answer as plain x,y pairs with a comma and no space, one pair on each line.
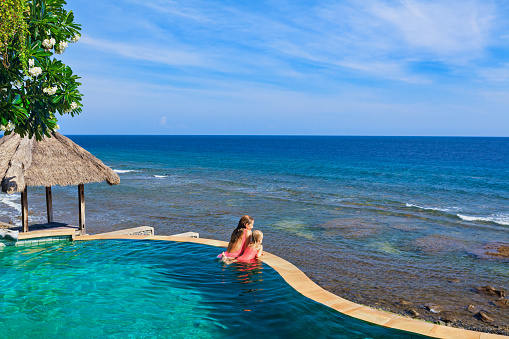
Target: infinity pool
145,289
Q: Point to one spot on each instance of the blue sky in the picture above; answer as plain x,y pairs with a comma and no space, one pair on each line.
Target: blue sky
373,67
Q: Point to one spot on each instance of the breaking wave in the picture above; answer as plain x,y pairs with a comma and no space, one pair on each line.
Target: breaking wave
440,209
123,171
501,219
11,200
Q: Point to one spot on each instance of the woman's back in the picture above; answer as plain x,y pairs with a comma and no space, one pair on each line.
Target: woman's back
237,247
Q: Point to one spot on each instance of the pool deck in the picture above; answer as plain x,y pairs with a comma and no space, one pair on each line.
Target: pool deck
301,283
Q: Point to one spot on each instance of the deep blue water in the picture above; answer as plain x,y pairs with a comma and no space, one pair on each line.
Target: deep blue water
362,216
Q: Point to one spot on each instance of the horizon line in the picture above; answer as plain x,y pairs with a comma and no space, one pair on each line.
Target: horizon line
293,135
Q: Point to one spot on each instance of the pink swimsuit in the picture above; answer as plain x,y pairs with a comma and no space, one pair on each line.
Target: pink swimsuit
235,254
248,255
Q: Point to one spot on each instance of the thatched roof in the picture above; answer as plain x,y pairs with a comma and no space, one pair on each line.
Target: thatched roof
49,162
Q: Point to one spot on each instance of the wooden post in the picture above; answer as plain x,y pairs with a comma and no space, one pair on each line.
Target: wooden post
24,210
49,204
81,198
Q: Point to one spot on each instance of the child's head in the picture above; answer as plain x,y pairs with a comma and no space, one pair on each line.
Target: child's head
257,236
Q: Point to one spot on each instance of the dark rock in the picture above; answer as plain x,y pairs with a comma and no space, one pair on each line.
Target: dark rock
502,302
472,309
433,308
484,317
490,290
497,249
485,289
413,312
403,302
448,318
454,281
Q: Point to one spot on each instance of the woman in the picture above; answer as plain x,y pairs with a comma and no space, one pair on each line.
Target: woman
240,238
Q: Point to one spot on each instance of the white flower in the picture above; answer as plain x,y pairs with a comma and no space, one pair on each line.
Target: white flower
62,45
31,62
50,90
17,83
75,38
35,71
9,127
74,105
48,43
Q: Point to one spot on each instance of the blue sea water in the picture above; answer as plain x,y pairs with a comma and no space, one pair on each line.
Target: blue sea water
365,217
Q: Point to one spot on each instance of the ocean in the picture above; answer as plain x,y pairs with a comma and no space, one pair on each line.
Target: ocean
391,222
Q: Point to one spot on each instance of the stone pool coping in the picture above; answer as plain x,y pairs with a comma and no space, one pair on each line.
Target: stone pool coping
305,286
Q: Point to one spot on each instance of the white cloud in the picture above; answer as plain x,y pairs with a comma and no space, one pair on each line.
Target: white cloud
162,121
385,70
441,27
153,52
498,97
377,38
495,74
173,8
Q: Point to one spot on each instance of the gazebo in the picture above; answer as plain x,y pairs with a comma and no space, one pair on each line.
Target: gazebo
52,161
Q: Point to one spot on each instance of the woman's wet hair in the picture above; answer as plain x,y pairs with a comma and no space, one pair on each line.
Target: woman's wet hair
237,233
244,221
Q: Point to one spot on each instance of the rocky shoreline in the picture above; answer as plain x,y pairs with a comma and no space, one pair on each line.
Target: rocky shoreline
476,316
462,301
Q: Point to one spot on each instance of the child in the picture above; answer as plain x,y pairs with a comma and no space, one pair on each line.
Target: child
254,249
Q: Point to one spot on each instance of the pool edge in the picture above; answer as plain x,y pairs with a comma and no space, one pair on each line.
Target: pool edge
305,286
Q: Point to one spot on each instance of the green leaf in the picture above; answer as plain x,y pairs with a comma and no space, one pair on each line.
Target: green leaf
17,99
57,98
70,18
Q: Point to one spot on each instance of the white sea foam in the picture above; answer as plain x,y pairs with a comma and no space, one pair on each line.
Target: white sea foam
123,171
160,176
11,200
10,206
502,219
440,209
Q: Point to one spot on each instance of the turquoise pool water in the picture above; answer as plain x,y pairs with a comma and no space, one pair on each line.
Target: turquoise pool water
145,289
